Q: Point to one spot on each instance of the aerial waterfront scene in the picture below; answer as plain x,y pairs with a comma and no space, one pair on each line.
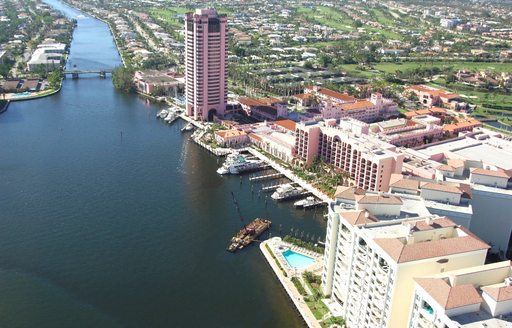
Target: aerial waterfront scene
271,164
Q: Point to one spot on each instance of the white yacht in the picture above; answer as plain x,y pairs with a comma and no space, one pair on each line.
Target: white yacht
287,191
162,114
171,117
188,127
236,163
306,202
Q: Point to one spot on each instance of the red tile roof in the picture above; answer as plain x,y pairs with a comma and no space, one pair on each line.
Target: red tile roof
449,297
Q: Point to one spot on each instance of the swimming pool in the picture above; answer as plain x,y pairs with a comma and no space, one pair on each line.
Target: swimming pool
296,260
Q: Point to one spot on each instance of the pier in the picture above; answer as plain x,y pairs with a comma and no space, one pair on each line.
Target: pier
266,177
289,174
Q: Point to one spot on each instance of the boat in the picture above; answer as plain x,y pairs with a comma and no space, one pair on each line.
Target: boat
188,127
171,117
248,234
305,202
287,191
162,114
237,163
308,202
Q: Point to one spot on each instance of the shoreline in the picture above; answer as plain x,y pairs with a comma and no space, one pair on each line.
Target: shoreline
114,37
285,282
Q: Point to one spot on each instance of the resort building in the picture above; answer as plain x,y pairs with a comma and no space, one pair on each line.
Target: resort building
231,138
205,64
370,264
264,109
336,105
429,96
408,133
158,83
369,161
479,296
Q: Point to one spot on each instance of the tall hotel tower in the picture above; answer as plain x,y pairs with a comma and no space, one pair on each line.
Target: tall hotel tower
205,64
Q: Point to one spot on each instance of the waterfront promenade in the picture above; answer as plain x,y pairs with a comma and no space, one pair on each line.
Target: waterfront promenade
286,282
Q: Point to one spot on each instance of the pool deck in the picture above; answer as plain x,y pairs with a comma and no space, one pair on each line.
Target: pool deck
289,287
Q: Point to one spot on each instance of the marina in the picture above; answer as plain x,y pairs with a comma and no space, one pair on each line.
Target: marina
117,252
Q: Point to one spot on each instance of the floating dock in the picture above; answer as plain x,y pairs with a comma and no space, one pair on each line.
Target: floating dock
248,234
266,177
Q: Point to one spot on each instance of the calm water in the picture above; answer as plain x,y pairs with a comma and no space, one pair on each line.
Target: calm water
110,218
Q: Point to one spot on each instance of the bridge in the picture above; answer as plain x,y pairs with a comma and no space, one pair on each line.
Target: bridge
75,74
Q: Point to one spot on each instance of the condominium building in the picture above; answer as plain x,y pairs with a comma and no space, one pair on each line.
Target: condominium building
205,64
479,296
370,264
369,161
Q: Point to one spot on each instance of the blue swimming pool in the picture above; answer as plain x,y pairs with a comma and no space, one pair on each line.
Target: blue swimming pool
296,260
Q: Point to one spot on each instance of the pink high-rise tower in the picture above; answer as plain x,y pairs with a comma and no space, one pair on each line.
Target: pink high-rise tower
206,64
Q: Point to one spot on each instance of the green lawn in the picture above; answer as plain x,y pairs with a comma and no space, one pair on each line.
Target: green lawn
393,67
328,17
169,16
382,18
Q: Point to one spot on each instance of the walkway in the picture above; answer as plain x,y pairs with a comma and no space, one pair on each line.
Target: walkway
289,287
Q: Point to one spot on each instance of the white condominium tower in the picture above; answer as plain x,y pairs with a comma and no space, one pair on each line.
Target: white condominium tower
205,64
370,264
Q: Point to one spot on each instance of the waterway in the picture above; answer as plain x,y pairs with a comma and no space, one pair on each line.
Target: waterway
110,218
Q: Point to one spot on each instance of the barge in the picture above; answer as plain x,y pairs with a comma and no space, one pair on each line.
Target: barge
248,234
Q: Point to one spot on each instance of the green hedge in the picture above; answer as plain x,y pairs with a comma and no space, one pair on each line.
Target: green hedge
276,260
299,286
303,244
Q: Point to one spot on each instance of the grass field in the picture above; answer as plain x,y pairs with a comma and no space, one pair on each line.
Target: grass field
328,17
382,68
169,15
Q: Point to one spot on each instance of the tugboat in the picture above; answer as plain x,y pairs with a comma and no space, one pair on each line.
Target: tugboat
248,233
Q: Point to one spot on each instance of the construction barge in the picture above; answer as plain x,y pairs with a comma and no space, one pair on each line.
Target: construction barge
248,234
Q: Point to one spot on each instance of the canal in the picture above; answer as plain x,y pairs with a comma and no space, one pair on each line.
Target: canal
111,218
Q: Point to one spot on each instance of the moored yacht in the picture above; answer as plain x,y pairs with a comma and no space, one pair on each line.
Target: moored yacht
287,191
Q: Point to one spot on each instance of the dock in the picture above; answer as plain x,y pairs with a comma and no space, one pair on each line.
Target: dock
266,177
289,174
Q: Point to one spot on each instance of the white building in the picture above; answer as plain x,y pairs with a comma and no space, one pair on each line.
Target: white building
480,296
48,56
370,265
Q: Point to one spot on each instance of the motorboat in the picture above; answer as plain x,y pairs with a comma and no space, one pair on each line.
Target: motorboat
188,127
287,191
162,114
306,202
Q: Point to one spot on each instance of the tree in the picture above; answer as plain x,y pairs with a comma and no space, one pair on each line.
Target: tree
54,79
122,78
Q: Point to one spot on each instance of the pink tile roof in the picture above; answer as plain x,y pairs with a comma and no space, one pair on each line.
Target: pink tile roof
441,187
491,173
359,217
499,294
449,297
